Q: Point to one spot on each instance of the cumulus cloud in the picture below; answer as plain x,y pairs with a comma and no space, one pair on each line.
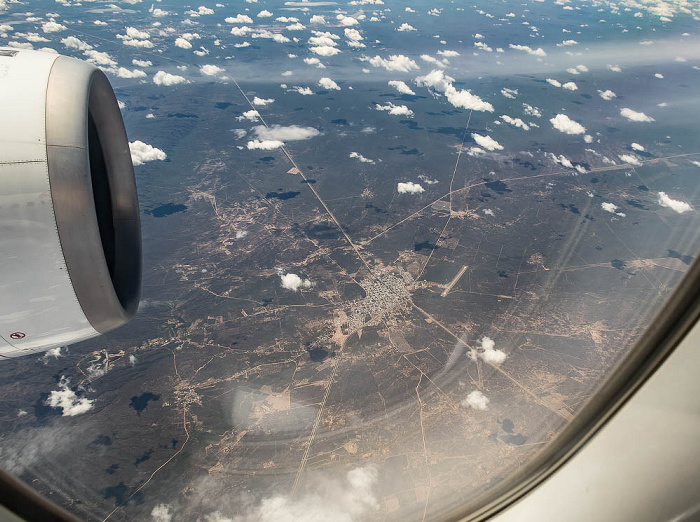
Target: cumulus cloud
553,82
635,116
405,28
534,52
182,43
52,27
328,84
395,110
486,142
360,157
434,61
632,160
612,208
409,188
142,152
239,19
68,400
346,21
515,122
314,61
673,204
167,79
132,32
476,400
264,14
282,133
141,63
317,19
531,111
263,101
293,282
464,99
324,50
353,34
161,513
637,146
264,144
123,72
210,70
488,352
570,86
607,94
71,42
509,93
395,62
564,124
251,115
401,87
304,91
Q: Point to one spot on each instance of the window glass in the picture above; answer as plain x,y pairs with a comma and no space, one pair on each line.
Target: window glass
389,251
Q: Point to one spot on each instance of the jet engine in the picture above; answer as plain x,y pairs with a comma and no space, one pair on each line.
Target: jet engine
70,234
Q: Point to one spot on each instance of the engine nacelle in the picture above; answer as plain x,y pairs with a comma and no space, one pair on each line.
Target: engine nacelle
70,234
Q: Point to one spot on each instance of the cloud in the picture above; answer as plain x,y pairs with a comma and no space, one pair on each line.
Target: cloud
314,61
123,72
265,144
487,142
401,87
476,400
241,31
346,21
612,208
553,82
324,50
396,62
264,14
210,70
570,86
142,152
295,27
410,188
437,80
52,27
448,53
317,19
288,133
488,353
673,204
635,116
567,43
251,115
360,157
263,101
239,19
637,146
167,79
564,124
353,34
534,52
434,61
68,400
304,91
161,513
132,32
607,94
405,28
515,122
183,44
395,110
328,84
509,93
632,160
141,63
293,282
71,42
531,111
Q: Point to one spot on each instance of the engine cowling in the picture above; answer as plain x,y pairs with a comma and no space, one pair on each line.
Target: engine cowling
70,234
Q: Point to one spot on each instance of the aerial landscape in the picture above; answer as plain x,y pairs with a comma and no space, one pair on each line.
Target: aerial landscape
390,251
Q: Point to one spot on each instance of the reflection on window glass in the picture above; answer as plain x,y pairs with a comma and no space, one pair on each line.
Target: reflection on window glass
389,251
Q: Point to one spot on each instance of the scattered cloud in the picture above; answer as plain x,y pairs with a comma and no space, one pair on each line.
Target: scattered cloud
293,282
161,513
282,133
395,110
123,72
531,111
409,188
210,70
564,124
167,79
251,115
607,94
52,27
570,86
637,146
262,101
142,152
534,52
239,19
476,400
401,87
405,28
264,144
395,62
464,99
486,142
515,122
360,157
328,84
71,42
182,43
324,50
630,159
509,93
632,115
68,400
488,352
612,208
673,204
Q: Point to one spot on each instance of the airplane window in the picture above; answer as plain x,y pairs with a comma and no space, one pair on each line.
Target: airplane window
389,250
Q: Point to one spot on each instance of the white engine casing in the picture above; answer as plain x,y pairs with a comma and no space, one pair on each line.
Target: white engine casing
70,243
